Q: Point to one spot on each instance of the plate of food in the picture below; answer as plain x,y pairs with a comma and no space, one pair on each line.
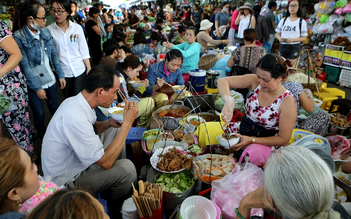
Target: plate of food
171,160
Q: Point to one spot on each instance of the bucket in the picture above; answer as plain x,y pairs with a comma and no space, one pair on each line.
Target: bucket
197,79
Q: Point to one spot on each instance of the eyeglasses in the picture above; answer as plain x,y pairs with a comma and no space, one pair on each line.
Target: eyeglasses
58,12
293,6
42,18
264,79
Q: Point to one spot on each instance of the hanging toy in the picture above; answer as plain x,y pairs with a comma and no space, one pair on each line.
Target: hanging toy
340,3
348,17
338,11
323,18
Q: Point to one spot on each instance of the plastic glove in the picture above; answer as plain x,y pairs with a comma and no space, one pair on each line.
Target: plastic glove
309,94
227,111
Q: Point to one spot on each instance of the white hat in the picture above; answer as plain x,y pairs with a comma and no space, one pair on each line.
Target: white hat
205,24
167,8
247,5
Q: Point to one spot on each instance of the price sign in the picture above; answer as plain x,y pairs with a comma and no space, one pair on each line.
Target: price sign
346,60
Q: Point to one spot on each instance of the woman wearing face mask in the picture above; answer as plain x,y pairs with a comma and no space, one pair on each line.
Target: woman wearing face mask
71,46
168,71
245,20
38,51
190,51
129,70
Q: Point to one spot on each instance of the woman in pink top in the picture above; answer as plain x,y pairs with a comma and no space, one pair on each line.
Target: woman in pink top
233,27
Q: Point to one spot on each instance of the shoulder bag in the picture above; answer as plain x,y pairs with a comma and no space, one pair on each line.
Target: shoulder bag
40,72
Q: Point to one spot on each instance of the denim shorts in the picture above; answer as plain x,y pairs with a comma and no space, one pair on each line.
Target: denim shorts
289,51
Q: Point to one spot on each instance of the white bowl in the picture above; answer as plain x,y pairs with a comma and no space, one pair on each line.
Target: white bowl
135,84
178,89
227,143
199,118
197,207
317,102
117,117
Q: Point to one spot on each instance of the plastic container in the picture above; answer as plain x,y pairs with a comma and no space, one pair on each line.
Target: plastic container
332,74
198,207
345,78
198,79
211,90
135,134
327,100
334,91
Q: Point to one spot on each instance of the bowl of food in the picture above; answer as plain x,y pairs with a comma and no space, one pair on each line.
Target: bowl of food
195,150
135,84
227,140
116,113
317,103
195,120
179,89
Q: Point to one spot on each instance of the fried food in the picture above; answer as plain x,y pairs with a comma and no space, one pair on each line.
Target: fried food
174,160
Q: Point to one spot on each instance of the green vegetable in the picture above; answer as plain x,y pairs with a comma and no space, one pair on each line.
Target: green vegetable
5,104
151,133
195,149
176,182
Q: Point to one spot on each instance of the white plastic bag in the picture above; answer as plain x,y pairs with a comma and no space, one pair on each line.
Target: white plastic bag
228,191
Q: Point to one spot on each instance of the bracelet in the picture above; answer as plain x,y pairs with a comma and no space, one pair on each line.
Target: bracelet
238,214
253,140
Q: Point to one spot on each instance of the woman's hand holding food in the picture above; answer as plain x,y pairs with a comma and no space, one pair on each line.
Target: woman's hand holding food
227,111
145,83
244,141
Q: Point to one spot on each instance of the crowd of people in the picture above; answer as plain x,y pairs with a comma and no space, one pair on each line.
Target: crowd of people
87,54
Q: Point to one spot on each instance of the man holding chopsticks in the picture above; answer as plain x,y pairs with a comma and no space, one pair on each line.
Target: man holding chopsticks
73,153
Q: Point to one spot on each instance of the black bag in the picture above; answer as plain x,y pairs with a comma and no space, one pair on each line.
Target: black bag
250,128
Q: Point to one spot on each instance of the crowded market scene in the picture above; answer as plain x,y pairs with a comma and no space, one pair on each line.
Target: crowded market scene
167,109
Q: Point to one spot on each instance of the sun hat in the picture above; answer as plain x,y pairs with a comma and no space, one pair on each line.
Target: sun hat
205,24
167,8
247,5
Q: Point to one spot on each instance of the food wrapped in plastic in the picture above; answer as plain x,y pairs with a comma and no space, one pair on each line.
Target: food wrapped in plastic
6,103
238,99
228,191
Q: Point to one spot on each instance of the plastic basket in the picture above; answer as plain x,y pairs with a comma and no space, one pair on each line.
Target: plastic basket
332,74
345,78
197,207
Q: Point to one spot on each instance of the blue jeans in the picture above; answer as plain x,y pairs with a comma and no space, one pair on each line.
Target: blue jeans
36,104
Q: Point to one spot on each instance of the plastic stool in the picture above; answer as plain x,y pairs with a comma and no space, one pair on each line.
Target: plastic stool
344,106
135,134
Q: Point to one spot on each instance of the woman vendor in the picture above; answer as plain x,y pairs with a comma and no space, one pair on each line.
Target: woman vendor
129,70
166,71
270,108
190,51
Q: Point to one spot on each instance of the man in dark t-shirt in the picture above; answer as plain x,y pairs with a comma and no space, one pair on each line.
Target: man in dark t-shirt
75,17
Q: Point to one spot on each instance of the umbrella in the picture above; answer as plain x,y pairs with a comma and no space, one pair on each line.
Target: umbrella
123,5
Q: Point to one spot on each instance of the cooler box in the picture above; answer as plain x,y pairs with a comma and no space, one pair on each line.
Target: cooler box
198,79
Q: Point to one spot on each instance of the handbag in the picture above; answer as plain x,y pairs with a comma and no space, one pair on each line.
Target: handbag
40,72
250,128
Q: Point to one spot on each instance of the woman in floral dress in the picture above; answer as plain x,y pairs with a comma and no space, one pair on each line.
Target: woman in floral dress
17,122
270,108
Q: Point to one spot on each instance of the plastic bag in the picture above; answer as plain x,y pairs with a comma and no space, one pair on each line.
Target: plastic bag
221,64
6,103
338,144
257,153
228,191
238,99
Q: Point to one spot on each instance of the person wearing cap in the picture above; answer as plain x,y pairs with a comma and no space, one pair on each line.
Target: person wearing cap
204,36
245,20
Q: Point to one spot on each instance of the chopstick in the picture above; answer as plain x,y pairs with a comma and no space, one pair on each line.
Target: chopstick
166,83
122,95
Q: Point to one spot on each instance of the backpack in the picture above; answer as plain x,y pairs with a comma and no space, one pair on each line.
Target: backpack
300,23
